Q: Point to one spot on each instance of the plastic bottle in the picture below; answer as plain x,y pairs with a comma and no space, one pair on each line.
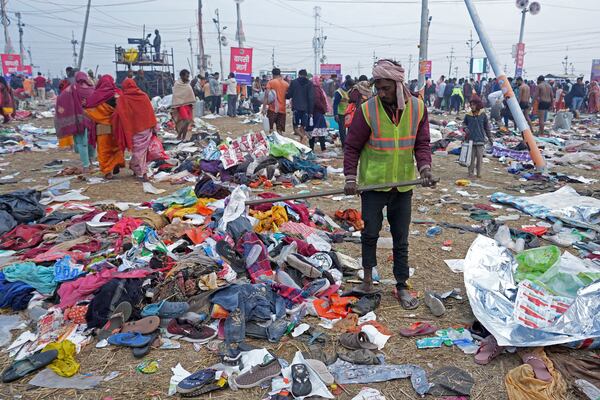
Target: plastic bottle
520,245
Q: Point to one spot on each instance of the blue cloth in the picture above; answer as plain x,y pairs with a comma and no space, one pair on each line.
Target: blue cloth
40,278
63,270
311,169
15,295
247,302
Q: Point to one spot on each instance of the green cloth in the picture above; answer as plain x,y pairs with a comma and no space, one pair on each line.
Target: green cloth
388,156
36,276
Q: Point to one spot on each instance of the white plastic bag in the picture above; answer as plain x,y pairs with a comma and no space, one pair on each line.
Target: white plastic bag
266,124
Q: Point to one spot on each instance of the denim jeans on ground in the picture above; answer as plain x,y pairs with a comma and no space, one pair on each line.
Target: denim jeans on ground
398,215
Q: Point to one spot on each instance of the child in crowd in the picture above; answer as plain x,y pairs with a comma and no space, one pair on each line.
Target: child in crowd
477,128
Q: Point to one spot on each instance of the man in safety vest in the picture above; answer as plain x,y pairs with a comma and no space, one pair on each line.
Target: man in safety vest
388,133
340,105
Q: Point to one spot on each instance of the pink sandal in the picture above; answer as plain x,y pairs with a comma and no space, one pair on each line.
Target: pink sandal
488,350
539,367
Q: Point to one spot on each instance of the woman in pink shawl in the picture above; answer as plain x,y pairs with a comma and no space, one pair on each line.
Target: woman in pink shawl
318,129
70,120
594,98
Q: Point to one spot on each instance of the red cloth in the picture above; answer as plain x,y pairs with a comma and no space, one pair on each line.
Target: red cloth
304,248
70,119
105,90
134,114
359,133
186,112
40,82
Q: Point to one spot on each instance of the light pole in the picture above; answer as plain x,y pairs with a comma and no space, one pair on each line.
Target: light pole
534,8
471,48
240,32
222,39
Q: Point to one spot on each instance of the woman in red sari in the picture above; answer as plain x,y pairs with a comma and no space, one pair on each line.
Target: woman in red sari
594,98
133,123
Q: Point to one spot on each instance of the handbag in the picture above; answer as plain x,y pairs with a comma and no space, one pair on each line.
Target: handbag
466,151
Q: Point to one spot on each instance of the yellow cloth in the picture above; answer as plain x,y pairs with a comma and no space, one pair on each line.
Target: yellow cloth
100,114
521,383
178,211
270,220
65,364
110,155
66,142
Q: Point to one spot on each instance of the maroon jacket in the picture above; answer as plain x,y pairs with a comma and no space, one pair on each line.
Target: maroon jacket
320,106
358,136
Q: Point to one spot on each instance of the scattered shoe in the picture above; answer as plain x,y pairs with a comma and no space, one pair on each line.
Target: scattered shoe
145,326
361,357
356,341
196,381
119,316
488,350
26,366
305,267
418,329
301,385
258,374
321,370
366,304
182,329
435,305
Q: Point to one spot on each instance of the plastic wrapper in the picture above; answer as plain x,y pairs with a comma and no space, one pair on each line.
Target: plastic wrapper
488,274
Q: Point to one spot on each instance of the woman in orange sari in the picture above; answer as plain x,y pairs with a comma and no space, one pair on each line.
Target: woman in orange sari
133,125
594,98
99,107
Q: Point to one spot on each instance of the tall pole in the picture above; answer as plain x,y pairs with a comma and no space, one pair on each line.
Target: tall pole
74,44
423,43
85,25
273,57
450,58
7,43
471,48
217,22
21,48
522,31
316,40
240,33
410,63
202,58
509,95
191,54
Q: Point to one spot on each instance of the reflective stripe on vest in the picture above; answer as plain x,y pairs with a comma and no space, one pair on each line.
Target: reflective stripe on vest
371,111
343,104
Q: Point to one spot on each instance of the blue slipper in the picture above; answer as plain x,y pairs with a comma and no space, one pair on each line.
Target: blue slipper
166,309
129,339
196,381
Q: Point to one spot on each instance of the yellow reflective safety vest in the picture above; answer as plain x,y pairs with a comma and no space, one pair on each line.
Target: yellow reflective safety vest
388,157
343,105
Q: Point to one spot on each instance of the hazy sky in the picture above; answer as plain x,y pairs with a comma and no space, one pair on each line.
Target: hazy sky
354,29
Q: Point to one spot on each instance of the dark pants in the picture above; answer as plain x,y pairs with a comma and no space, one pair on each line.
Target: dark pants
215,104
312,140
455,103
398,215
342,129
232,105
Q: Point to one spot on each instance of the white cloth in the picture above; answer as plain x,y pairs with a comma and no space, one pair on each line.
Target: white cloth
231,86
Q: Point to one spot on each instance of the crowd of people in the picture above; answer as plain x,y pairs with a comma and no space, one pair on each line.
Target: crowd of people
99,120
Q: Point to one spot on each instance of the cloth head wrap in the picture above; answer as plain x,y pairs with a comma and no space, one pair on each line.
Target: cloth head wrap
385,69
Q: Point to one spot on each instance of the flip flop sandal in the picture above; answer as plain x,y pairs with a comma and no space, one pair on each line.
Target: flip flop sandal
321,370
418,329
119,316
539,367
488,350
26,366
144,326
204,389
131,339
228,253
356,341
140,352
301,385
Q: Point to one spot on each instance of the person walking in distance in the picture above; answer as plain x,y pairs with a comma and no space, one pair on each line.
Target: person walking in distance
543,95
302,94
388,133
340,104
274,101
524,99
40,86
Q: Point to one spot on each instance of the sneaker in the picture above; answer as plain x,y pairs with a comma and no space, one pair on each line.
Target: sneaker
315,288
258,374
182,329
305,267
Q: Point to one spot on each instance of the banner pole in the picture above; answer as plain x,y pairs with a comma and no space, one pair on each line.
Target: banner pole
507,91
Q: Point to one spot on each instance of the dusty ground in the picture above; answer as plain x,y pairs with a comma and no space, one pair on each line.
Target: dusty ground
426,256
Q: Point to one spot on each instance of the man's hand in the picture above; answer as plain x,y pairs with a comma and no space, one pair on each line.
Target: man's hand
427,178
351,188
